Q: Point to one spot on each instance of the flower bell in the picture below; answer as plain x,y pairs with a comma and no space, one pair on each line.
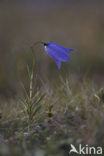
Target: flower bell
57,53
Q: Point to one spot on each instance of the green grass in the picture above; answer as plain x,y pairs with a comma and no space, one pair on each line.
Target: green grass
52,117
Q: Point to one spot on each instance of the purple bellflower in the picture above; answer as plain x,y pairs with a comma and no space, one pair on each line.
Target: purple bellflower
57,53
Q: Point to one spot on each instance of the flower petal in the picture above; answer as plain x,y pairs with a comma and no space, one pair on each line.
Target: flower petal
57,62
58,53
68,50
55,59
59,47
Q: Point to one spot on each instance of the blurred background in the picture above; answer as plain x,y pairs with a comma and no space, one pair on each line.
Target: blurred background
70,23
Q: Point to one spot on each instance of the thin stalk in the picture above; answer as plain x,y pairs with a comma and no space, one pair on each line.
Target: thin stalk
31,85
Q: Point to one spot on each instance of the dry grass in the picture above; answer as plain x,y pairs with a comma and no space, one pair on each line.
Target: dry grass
71,112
